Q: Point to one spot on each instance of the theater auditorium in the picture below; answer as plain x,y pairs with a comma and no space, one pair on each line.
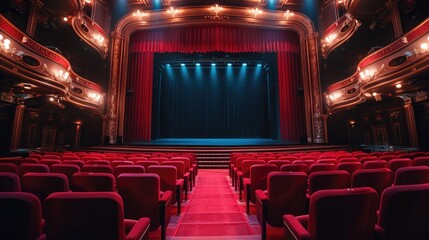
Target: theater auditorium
214,119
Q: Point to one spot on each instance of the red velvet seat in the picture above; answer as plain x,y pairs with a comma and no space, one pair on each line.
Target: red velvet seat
387,157
9,182
188,168
159,159
412,175
127,169
92,182
95,168
70,157
404,212
51,156
146,164
373,164
90,157
257,180
182,174
78,163
20,216
50,162
278,163
368,158
421,161
336,215
245,173
378,179
350,167
9,167
100,215
297,167
285,195
66,169
238,167
327,160
307,162
395,164
169,182
43,184
114,164
335,179
32,167
318,167
142,198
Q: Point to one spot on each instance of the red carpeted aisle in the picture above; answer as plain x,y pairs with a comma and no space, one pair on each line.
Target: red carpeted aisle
213,211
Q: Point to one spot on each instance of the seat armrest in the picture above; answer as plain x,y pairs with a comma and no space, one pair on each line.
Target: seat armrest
179,182
239,174
246,181
380,233
140,230
186,175
166,198
294,228
261,196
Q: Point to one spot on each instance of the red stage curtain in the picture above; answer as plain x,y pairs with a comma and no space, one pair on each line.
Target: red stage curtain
216,38
291,102
138,105
138,109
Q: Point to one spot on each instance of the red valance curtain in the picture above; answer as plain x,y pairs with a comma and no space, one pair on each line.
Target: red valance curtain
215,38
138,109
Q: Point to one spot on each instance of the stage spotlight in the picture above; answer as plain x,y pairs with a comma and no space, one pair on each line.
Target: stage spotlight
182,64
167,65
213,64
259,65
229,64
244,64
197,64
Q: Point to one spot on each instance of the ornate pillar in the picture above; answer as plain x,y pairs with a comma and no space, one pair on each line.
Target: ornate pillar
411,123
32,18
111,126
316,99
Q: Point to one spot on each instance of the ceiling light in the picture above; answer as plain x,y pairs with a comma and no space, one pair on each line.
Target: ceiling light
398,85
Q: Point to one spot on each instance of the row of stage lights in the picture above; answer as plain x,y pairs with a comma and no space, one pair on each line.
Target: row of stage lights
213,64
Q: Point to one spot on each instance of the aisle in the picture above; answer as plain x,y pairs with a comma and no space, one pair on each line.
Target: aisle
213,211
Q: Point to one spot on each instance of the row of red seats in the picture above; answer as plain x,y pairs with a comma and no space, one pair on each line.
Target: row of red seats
87,215
277,193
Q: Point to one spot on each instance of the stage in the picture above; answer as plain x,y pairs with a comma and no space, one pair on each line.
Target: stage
213,142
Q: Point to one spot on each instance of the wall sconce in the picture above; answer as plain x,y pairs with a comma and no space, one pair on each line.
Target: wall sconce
255,11
288,14
172,11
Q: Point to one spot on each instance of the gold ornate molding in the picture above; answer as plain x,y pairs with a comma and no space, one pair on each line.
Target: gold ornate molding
339,32
238,16
24,58
90,32
403,59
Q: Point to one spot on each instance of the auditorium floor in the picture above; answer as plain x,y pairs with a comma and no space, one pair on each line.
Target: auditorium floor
214,212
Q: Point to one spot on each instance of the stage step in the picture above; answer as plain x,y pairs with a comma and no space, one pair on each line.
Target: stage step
212,160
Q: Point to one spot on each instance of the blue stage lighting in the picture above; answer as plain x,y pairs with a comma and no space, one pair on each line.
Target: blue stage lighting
197,64
229,64
167,65
259,65
182,64
213,64
244,64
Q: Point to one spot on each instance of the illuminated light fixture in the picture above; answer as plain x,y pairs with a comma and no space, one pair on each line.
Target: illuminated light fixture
99,39
259,65
139,14
330,38
229,64
244,64
367,74
255,11
51,99
182,64
288,14
66,19
167,65
367,94
213,64
352,122
94,96
88,1
340,1
197,64
62,75
374,94
172,11
27,86
335,96
1,37
216,9
5,44
398,85
424,46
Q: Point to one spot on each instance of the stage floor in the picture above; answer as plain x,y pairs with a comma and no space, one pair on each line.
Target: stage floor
213,142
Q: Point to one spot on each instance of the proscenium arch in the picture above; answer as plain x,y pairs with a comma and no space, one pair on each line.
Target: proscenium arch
231,16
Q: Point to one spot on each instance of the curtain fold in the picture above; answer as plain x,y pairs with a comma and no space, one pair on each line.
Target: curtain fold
291,100
143,45
216,38
138,104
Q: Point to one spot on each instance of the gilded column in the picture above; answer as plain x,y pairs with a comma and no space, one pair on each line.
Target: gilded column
318,126
411,123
